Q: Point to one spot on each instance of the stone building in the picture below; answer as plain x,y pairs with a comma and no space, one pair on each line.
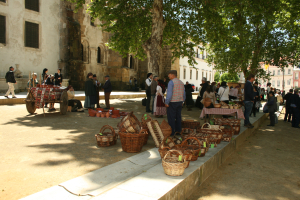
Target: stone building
296,77
51,35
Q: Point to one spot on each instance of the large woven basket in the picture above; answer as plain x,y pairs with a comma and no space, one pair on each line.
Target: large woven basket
190,124
165,128
171,165
130,123
106,137
131,143
155,132
189,144
235,123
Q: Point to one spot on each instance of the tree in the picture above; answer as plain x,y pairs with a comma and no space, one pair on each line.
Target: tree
217,76
233,78
240,32
143,28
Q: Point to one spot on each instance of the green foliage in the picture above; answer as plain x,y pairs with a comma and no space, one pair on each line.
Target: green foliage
234,78
217,76
243,34
130,24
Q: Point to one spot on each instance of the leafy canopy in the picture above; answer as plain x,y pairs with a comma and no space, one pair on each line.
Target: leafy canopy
227,77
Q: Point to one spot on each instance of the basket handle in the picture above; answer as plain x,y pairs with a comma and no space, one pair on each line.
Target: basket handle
176,152
143,131
163,148
190,138
205,124
105,127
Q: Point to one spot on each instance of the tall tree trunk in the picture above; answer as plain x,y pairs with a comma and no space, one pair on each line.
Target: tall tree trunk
154,43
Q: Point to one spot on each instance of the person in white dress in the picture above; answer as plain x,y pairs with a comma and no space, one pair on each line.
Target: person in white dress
159,109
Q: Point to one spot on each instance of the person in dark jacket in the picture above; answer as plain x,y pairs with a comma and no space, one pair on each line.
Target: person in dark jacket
107,90
189,96
10,80
203,89
295,108
288,111
97,88
58,78
45,75
148,91
272,108
90,92
248,100
256,101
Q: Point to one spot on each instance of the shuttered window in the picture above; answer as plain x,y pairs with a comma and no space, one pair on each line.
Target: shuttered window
32,5
2,29
4,1
31,35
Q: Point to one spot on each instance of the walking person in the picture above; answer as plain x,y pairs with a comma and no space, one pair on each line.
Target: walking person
272,108
148,91
107,90
11,81
90,92
58,77
153,91
248,100
159,108
295,107
97,88
288,111
174,101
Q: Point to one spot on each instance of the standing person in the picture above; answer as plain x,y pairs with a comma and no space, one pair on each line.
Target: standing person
262,94
107,90
174,101
90,92
288,111
153,91
33,81
165,83
224,92
248,100
203,89
189,96
97,88
209,93
268,89
58,77
233,93
10,80
272,107
198,103
214,85
45,75
159,108
256,103
135,84
148,91
295,107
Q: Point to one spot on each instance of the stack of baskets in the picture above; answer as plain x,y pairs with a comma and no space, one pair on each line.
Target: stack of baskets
235,123
190,124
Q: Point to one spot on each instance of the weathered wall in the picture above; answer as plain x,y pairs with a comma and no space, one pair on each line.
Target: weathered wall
30,59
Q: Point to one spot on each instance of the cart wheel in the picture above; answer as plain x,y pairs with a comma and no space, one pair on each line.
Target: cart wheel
64,103
30,105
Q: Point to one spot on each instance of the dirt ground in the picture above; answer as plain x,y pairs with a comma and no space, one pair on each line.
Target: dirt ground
265,167
38,152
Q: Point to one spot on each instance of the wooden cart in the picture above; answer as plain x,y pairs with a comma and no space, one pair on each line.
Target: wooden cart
62,100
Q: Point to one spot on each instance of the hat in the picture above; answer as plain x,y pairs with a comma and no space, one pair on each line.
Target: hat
11,67
106,76
173,72
149,74
94,75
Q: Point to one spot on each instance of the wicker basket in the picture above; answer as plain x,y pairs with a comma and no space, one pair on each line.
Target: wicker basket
190,124
189,144
130,123
165,128
163,151
146,135
145,118
155,132
172,166
131,143
168,142
202,151
212,127
106,138
235,123
187,131
177,138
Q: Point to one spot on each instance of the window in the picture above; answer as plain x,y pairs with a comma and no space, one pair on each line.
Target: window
184,73
289,71
99,55
4,1
278,72
206,76
197,74
131,62
2,29
92,21
274,72
296,84
273,83
289,82
31,35
278,83
32,5
296,76
191,74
